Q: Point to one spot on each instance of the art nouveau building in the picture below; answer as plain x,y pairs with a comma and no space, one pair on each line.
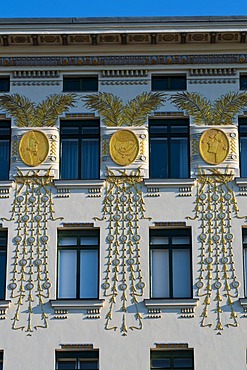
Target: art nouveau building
123,193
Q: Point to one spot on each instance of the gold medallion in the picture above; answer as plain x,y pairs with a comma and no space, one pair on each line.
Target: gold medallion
34,148
214,146
124,147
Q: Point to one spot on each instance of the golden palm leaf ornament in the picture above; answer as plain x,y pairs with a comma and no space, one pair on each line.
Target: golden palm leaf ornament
221,112
115,113
27,114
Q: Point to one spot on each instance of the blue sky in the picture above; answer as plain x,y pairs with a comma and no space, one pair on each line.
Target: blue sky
111,8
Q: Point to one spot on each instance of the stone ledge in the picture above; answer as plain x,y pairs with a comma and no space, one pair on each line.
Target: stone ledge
77,304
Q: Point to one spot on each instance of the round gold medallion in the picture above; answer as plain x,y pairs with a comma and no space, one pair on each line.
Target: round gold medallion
124,147
214,146
34,148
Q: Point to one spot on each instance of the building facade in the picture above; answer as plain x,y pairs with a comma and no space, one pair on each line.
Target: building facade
123,193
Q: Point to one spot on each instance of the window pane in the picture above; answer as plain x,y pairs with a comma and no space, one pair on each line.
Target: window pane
67,240
67,365
4,84
90,159
245,270
243,156
89,274
88,365
182,363
162,240
2,274
181,240
179,157
177,83
88,240
67,274
160,273
181,273
71,84
158,158
159,83
163,363
69,159
4,159
243,82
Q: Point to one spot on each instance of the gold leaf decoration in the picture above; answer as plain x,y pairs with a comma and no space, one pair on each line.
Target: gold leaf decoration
26,114
221,112
115,113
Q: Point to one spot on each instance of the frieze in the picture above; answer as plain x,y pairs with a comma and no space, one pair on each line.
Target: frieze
124,60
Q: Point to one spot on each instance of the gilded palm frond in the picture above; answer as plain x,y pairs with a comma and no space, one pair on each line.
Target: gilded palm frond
227,106
195,105
109,106
20,107
136,110
48,110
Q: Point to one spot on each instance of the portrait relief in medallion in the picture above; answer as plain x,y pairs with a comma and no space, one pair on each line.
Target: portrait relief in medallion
214,146
124,147
34,148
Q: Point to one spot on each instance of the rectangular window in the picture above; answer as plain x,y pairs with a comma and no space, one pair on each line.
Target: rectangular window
4,84
242,127
170,251
169,148
245,260
168,82
5,139
243,82
177,359
80,143
3,257
78,264
77,360
80,83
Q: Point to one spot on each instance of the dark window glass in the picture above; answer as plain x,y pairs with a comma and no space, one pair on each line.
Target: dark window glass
80,84
3,255
77,360
78,264
245,259
4,149
170,251
80,143
243,82
243,146
169,148
169,82
4,84
175,359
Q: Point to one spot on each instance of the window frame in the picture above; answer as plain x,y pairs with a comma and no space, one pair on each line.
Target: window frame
244,233
5,124
170,78
241,75
91,355
241,122
78,233
80,124
80,78
184,122
170,232
171,354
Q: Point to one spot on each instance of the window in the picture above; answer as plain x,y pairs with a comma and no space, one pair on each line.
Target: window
243,146
170,263
75,360
243,82
4,149
80,83
168,82
4,84
80,141
178,359
245,260
169,148
3,255
1,360
78,264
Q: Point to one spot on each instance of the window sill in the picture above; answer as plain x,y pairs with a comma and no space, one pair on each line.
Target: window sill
242,184
5,187
243,302
93,187
157,306
4,305
63,306
183,185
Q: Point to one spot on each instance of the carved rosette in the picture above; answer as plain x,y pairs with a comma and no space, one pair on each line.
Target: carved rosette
125,148
35,148
214,147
